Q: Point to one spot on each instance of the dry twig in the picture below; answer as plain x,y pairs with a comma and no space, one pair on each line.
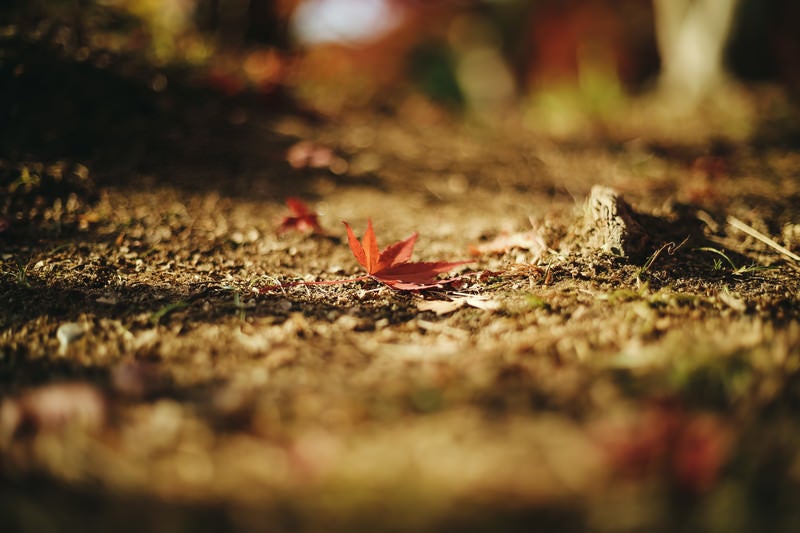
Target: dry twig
741,226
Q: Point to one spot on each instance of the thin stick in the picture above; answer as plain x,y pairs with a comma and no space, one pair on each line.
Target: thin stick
741,226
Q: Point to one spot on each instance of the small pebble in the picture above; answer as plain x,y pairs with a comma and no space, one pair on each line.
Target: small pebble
68,333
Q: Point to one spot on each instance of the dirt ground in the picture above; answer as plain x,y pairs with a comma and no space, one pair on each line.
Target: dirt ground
562,382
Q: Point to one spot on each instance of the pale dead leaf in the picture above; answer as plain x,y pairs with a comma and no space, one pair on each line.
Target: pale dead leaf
482,302
529,240
441,307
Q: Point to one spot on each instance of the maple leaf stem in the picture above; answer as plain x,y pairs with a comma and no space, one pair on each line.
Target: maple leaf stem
268,288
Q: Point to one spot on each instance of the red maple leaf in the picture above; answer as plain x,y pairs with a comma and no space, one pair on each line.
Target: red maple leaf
391,267
301,219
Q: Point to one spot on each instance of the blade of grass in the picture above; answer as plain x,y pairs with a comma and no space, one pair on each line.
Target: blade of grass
156,317
736,271
721,254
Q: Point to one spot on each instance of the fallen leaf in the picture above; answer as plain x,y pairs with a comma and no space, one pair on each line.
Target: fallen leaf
440,307
482,302
302,218
443,307
308,154
687,448
392,266
526,240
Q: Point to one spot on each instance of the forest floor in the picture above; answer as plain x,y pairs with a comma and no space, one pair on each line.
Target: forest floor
561,382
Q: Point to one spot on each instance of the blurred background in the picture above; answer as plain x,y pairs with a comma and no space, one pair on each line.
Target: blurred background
548,64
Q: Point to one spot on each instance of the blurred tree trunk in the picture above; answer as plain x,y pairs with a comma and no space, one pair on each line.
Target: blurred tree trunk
691,36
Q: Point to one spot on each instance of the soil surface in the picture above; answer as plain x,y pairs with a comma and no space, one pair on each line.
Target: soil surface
620,359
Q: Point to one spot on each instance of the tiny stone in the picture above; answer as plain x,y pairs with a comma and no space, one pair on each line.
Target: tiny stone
348,322
68,333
